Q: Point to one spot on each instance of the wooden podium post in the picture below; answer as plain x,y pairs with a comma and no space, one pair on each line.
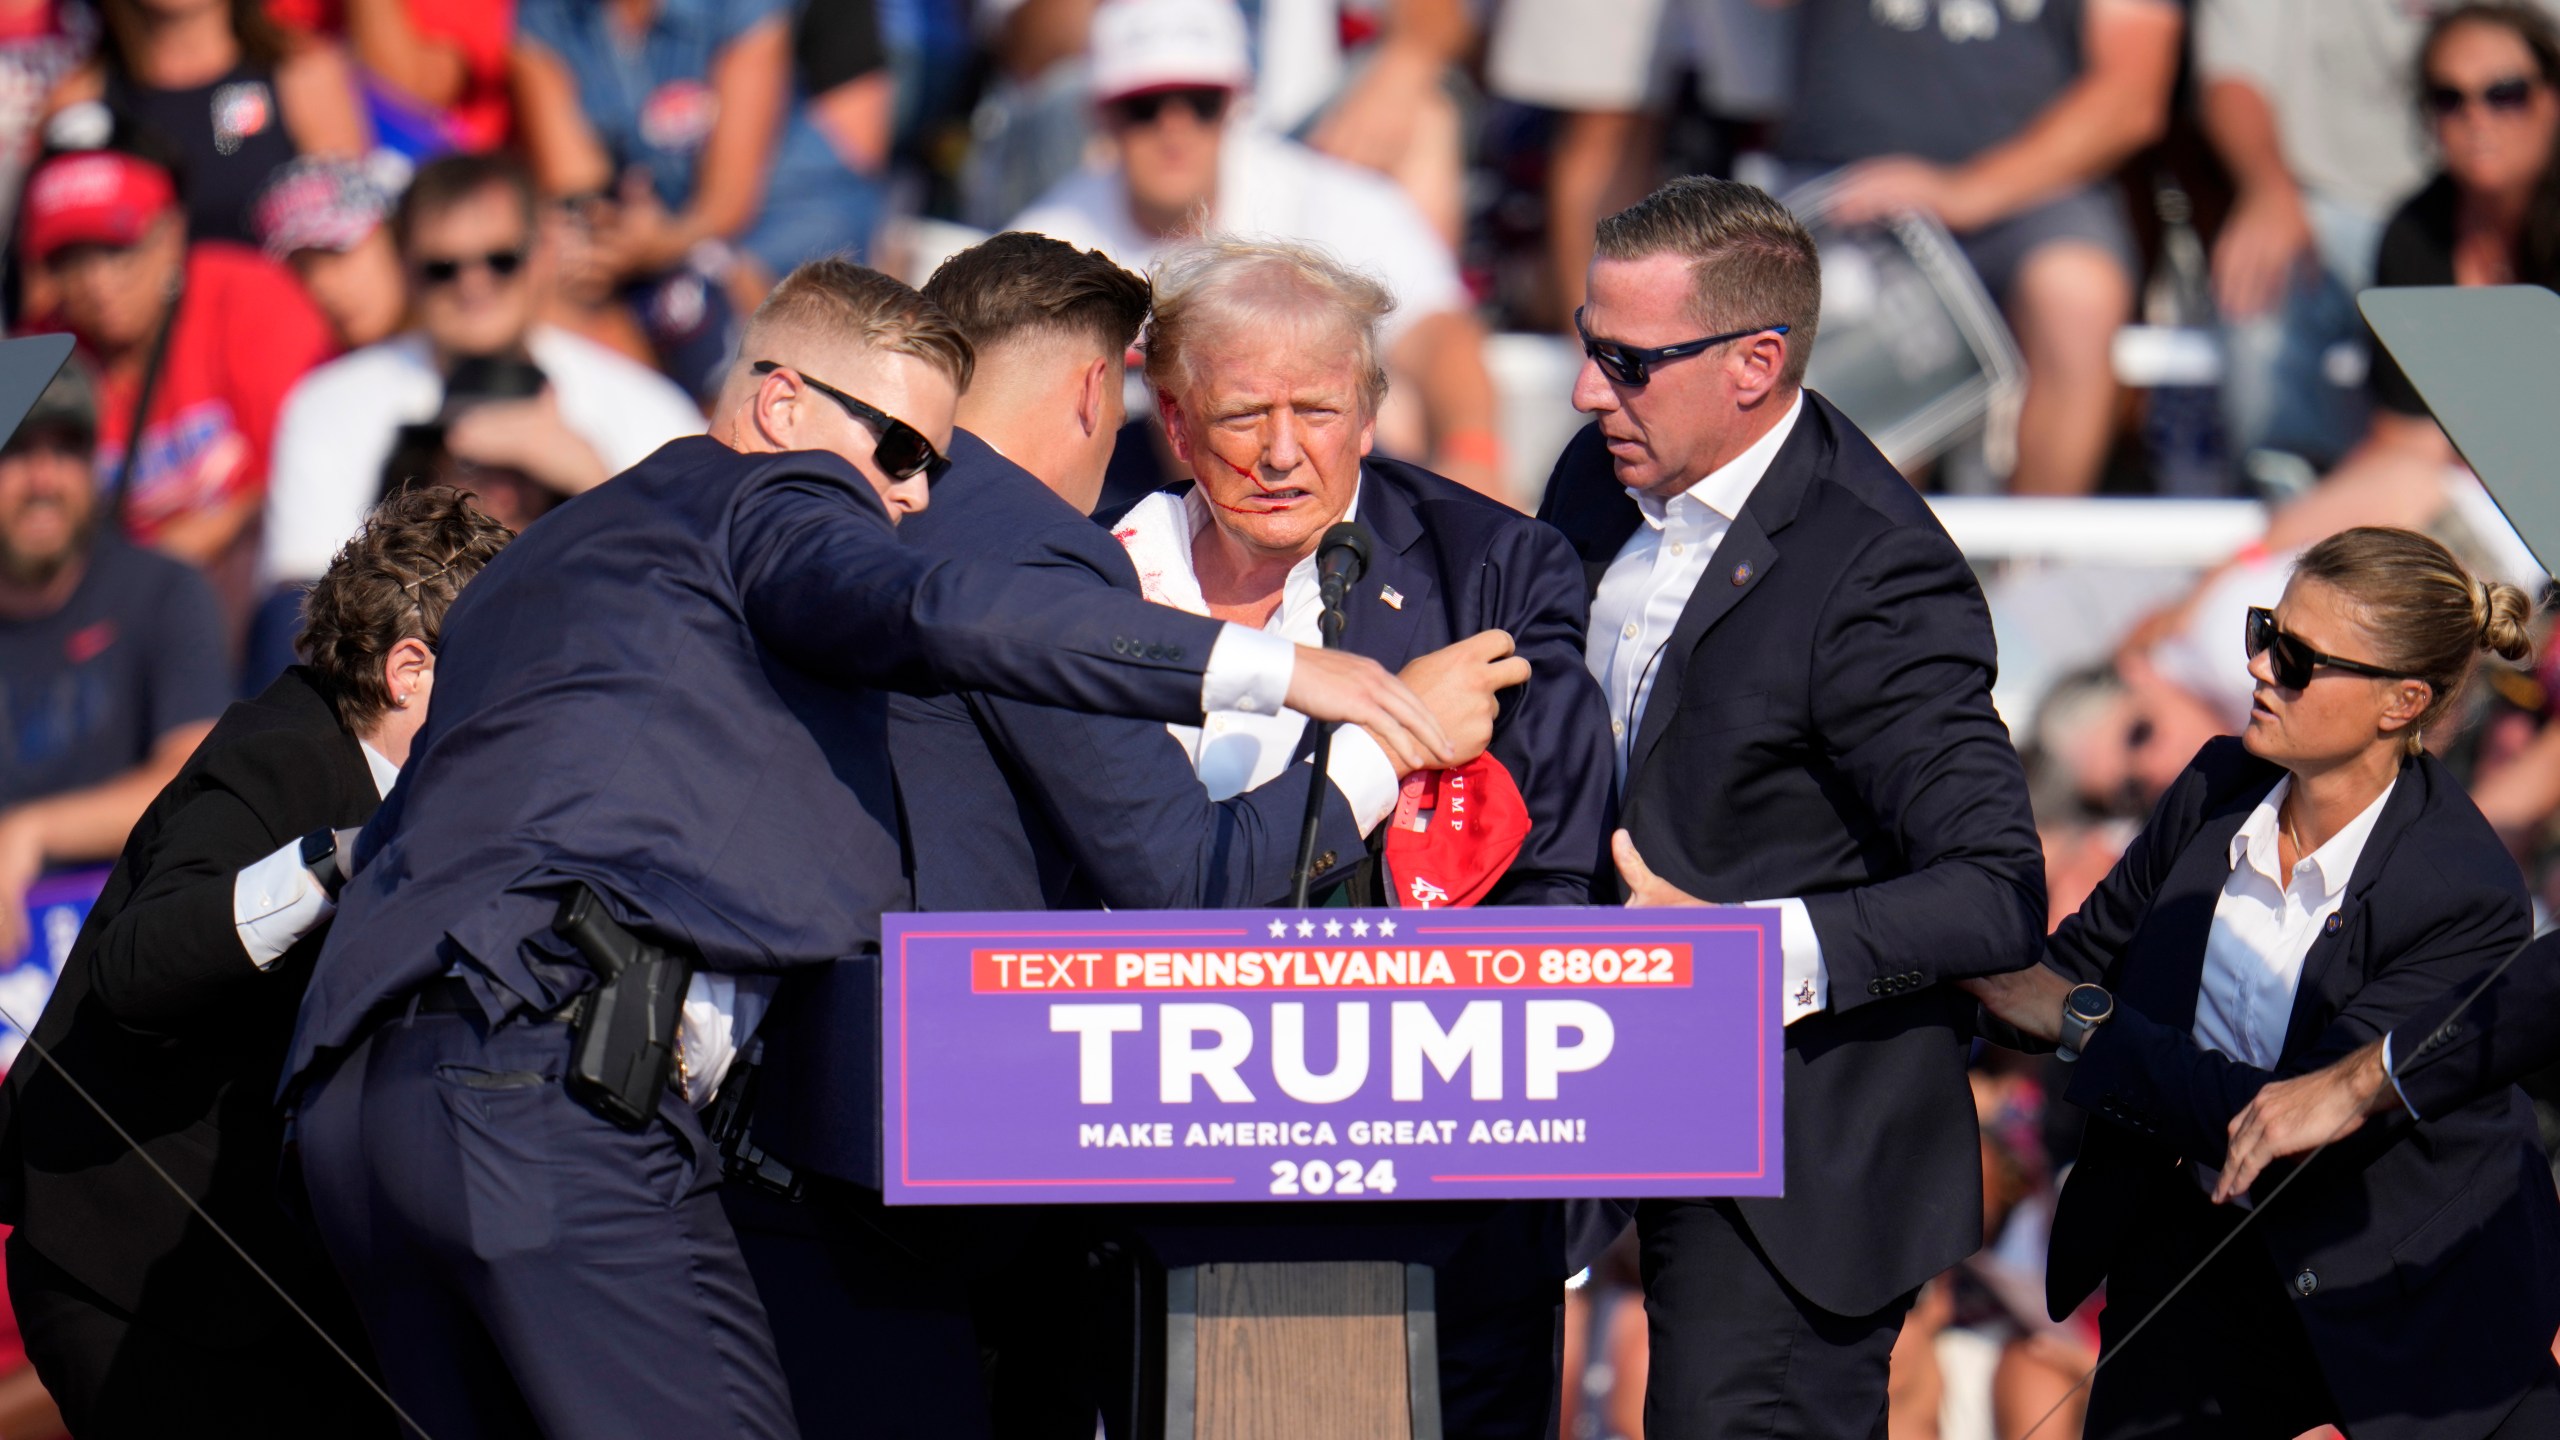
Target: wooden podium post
1301,1351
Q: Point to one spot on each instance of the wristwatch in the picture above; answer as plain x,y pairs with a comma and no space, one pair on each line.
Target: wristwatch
320,857
2083,1010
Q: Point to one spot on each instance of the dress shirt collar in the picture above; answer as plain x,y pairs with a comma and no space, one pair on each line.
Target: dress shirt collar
384,772
1728,487
2332,864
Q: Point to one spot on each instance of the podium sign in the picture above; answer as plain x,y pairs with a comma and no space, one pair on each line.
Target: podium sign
1320,1056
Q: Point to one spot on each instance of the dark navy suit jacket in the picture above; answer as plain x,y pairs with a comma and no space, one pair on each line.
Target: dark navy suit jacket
668,690
2452,1053
2424,1257
1821,726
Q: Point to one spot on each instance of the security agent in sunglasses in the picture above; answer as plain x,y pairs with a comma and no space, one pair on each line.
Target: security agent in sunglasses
2301,892
1798,666
657,755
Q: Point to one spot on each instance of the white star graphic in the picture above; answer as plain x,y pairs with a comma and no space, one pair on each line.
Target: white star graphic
1306,928
1333,929
1279,928
1387,927
1359,927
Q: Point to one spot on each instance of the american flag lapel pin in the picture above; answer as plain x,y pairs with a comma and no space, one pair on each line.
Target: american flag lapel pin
1393,597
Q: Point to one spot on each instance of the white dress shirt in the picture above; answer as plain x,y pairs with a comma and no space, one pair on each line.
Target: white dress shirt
275,902
1632,618
1248,740
2263,928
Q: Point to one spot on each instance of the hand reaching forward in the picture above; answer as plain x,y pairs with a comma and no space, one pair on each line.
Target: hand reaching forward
1460,683
1338,685
2296,1116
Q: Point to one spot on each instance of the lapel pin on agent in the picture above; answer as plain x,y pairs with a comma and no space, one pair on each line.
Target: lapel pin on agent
1393,597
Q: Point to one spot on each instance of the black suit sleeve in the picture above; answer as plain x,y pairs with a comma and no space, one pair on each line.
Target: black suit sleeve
1130,807
172,954
1554,736
2155,1077
1903,663
2447,1059
828,589
2085,947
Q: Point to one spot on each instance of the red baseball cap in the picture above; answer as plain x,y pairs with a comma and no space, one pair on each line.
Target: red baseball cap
1454,834
96,197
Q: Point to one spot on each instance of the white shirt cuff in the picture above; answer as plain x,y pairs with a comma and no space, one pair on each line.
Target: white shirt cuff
2392,1073
1807,989
275,903
1360,769
1249,670
720,1016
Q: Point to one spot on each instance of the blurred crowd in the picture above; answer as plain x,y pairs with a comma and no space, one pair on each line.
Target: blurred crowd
315,250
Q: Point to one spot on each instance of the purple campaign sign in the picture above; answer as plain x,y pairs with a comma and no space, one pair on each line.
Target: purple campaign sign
1405,1054
56,906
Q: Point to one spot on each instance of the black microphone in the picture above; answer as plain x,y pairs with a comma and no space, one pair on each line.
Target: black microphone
1342,557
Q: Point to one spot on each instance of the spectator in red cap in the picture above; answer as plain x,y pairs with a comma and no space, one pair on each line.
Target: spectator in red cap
105,229
324,217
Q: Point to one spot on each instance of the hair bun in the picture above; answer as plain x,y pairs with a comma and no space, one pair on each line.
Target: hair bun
2505,614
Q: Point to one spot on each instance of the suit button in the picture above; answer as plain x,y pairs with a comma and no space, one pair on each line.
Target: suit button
1323,863
2305,1283
1119,644
1173,652
1875,987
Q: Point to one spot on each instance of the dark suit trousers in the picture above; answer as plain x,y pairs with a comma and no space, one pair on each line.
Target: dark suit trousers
524,1266
118,1378
1736,1351
2228,1359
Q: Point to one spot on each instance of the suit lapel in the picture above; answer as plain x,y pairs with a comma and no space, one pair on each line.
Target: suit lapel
1389,633
1740,565
2313,999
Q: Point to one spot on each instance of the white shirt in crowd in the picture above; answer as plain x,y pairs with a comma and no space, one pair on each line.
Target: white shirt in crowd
1277,188
339,425
2264,926
1248,742
1638,605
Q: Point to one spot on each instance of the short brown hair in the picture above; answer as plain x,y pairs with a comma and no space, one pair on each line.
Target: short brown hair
1258,283
2427,614
1020,285
448,180
1752,262
858,306
392,582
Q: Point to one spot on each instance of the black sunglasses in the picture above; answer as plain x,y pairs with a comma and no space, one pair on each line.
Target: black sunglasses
2292,661
444,271
2502,97
1633,364
901,452
1207,104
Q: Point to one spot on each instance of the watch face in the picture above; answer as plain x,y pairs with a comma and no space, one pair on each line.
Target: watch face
2089,1002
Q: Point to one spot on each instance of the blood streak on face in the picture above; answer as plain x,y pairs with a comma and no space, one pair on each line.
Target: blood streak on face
1286,422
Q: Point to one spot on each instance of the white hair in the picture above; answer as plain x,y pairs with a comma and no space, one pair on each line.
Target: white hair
1222,284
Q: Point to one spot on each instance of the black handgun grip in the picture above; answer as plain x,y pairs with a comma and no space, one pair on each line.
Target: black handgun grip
622,1043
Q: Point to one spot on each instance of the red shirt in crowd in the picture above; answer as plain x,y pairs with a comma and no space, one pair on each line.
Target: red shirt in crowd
483,118
246,333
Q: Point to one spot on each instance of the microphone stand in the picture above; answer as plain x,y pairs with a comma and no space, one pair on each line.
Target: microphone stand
1330,626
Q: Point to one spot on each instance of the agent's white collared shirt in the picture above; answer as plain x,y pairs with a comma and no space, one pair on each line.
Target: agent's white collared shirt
1632,618
2264,926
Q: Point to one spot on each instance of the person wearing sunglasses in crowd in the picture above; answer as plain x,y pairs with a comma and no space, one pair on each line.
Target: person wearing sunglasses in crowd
479,271
1171,80
2305,888
1798,666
